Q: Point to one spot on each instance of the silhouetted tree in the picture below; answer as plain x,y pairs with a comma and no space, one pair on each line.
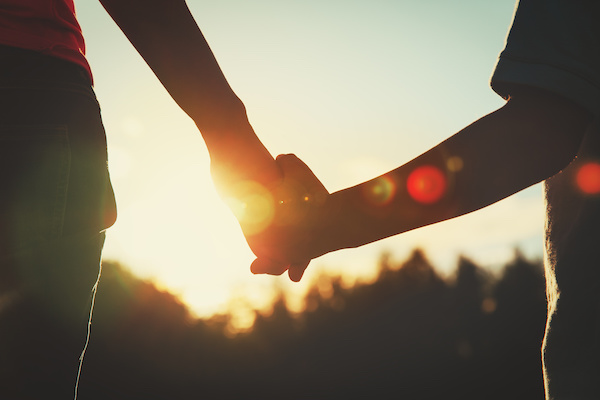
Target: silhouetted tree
409,334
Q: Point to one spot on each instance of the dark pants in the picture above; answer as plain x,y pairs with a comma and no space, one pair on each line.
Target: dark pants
572,341
55,202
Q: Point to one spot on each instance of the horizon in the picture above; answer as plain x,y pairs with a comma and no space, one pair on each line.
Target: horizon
239,317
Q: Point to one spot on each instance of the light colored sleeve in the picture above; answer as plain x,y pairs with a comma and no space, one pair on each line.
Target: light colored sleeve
553,45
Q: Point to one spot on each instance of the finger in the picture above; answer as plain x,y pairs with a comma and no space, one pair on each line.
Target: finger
268,266
296,271
295,169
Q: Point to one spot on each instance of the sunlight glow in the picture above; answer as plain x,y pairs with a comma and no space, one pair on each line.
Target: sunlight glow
119,162
132,127
242,317
253,205
588,178
426,184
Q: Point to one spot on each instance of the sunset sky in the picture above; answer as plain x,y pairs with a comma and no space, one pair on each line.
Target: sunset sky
354,88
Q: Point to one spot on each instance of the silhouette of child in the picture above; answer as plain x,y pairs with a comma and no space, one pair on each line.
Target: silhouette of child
549,72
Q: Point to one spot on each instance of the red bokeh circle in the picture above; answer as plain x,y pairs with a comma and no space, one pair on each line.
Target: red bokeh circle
426,184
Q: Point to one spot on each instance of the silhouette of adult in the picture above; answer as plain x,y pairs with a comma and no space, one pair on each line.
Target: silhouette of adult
56,199
549,73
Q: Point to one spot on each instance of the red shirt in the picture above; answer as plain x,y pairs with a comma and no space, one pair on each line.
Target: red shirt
47,26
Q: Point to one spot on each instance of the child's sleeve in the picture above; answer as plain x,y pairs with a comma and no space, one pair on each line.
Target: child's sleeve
553,45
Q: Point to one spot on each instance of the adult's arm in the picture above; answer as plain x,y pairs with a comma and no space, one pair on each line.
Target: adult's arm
166,35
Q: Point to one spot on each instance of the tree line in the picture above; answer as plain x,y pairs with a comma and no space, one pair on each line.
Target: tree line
410,334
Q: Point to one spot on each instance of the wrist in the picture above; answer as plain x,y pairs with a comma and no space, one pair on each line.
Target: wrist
349,222
237,155
336,226
222,121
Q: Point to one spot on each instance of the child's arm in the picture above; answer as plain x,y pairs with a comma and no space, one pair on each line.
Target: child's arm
529,139
167,37
534,136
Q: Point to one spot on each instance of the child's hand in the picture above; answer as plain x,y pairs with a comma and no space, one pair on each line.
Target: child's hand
280,223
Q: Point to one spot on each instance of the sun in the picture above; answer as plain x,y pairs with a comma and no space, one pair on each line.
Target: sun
178,233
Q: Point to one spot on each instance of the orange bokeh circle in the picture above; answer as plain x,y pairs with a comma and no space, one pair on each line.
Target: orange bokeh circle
588,178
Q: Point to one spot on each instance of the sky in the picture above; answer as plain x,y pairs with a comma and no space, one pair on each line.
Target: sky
354,88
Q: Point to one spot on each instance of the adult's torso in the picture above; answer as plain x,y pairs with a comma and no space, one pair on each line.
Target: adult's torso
46,26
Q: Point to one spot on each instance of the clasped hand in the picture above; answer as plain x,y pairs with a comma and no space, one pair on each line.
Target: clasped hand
282,223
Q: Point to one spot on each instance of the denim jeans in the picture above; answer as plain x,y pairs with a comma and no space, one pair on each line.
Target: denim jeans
56,200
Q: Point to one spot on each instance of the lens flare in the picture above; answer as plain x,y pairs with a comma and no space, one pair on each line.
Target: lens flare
426,184
454,164
588,178
253,206
381,191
